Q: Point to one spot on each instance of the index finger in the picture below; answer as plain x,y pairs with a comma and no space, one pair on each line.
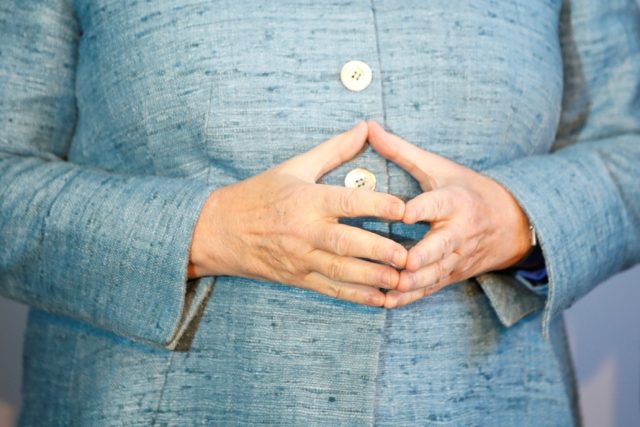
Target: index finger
430,206
343,202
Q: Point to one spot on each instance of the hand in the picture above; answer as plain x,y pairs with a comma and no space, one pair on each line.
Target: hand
281,226
476,224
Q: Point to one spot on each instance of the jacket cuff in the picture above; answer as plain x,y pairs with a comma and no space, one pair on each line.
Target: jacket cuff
133,256
157,303
510,299
577,244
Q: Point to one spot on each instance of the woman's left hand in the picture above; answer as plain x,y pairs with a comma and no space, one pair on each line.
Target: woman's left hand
476,224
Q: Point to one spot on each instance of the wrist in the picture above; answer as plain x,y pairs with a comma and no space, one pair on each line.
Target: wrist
513,226
523,244
203,257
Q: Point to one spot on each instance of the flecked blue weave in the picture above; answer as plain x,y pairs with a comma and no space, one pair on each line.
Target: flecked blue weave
117,119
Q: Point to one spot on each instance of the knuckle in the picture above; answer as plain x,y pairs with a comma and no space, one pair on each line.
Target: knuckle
447,270
467,264
381,252
342,242
306,259
346,201
440,271
447,244
340,292
333,290
336,268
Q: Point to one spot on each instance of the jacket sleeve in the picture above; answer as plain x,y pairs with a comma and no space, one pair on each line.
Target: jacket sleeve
104,248
583,198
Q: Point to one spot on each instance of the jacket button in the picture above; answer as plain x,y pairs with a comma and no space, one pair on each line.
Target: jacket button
360,178
356,75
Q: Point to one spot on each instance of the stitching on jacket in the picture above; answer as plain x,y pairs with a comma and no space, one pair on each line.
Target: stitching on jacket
386,176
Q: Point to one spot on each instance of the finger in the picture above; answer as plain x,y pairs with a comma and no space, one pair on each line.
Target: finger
351,241
326,156
430,206
340,202
395,298
437,245
429,169
431,275
358,294
354,270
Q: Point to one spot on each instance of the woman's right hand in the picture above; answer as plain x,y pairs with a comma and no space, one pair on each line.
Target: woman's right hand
281,226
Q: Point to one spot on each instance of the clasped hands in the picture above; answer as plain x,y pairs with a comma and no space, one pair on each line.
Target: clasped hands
281,226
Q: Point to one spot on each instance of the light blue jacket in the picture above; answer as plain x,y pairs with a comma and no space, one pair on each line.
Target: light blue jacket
117,119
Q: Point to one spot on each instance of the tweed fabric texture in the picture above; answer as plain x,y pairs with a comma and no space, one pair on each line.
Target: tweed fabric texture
119,118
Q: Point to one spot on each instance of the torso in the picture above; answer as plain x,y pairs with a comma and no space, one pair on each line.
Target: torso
222,90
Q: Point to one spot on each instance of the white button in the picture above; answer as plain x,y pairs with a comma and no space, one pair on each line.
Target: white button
356,75
360,178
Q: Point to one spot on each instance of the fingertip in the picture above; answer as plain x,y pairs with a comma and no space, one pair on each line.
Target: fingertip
352,139
408,218
414,261
396,209
376,299
399,259
358,133
374,130
361,125
388,206
391,279
372,124
390,301
412,212
409,215
403,206
406,283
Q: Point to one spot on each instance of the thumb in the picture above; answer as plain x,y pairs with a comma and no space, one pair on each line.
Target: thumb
324,157
429,169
